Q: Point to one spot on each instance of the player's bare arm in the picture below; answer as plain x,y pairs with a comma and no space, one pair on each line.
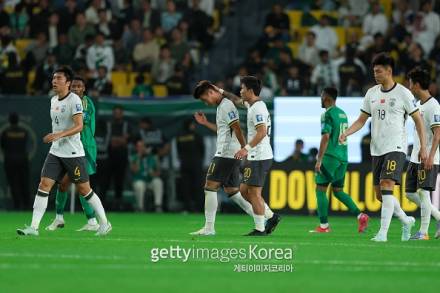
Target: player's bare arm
434,146
234,98
202,120
322,148
422,135
356,126
261,133
77,127
237,130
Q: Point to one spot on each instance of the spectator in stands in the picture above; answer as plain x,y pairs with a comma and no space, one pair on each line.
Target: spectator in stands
273,54
6,47
82,50
38,18
326,37
293,83
20,21
379,45
308,52
270,79
163,67
434,56
63,51
43,75
178,47
170,18
177,84
36,51
132,35
426,26
122,56
154,138
68,15
199,25
415,57
402,14
254,63
145,168
297,156
207,6
375,21
13,78
102,85
351,75
236,81
78,32
53,30
146,52
142,90
150,18
279,20
191,151
325,74
4,18
93,10
103,26
100,55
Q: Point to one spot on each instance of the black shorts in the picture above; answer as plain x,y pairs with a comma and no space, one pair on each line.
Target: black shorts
55,168
224,170
388,166
416,178
255,172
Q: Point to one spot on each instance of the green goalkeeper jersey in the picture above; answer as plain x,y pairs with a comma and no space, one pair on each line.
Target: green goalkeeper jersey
334,122
88,132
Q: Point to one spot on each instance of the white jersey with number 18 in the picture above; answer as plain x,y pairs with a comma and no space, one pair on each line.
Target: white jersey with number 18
62,112
389,111
258,115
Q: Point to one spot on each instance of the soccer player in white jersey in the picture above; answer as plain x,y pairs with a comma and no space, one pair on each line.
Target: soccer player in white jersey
388,104
422,179
66,154
258,152
224,170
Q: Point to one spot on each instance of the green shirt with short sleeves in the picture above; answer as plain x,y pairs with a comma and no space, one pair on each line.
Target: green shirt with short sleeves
88,133
334,122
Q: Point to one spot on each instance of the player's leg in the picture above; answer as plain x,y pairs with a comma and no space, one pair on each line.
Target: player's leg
139,188
60,203
231,186
257,202
52,171
156,185
322,202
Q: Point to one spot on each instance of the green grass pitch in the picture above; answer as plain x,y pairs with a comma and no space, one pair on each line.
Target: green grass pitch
341,261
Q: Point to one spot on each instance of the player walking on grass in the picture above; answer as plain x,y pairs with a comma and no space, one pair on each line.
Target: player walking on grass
422,179
331,163
258,152
224,169
388,103
66,154
89,144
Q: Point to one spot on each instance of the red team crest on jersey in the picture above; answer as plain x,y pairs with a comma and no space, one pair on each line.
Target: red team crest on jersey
382,101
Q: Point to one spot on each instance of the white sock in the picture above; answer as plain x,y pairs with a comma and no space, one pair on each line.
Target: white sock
59,217
92,221
96,204
386,213
259,222
434,211
242,203
414,197
398,212
267,211
40,205
425,210
323,226
211,204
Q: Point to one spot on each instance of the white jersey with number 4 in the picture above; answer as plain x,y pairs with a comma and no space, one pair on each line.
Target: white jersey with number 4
227,142
430,111
258,115
62,112
389,111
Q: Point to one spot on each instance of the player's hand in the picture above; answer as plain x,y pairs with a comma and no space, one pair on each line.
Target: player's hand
428,163
423,156
215,87
241,154
318,166
200,118
342,138
51,137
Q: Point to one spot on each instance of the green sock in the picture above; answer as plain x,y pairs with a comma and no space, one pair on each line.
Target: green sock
321,196
60,202
90,213
348,202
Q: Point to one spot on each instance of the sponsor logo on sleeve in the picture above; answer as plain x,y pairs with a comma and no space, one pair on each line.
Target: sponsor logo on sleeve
232,115
436,118
259,117
78,107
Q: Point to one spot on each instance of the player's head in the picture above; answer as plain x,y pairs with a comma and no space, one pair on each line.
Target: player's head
383,65
328,97
250,87
62,79
206,92
419,80
140,145
118,112
78,86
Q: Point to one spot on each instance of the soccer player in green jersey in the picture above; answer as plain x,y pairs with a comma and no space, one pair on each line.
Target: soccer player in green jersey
331,163
89,144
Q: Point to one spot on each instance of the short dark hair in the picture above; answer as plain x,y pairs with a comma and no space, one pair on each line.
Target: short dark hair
201,88
331,92
252,83
79,78
67,71
420,76
383,59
